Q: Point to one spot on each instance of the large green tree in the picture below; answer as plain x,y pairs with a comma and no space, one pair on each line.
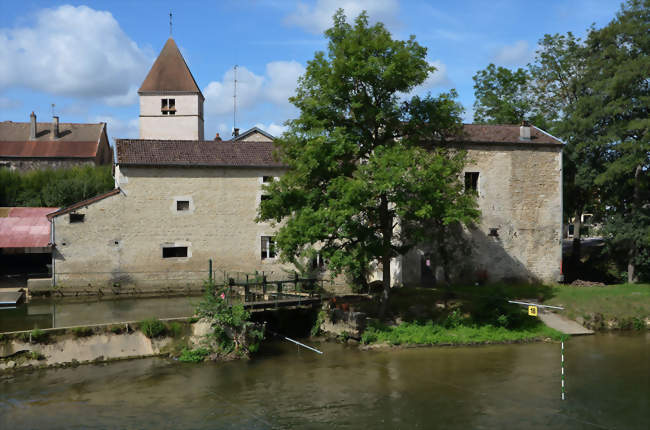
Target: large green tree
616,112
365,182
504,96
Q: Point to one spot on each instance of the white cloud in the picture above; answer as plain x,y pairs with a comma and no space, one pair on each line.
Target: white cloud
283,77
318,17
518,53
7,103
72,51
439,78
118,128
275,86
274,129
219,95
130,98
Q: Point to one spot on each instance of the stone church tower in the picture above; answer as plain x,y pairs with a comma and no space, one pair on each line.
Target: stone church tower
171,104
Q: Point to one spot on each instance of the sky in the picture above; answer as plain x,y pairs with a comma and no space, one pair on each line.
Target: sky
89,58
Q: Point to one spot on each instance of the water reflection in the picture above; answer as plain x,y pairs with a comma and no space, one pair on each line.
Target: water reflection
47,313
505,386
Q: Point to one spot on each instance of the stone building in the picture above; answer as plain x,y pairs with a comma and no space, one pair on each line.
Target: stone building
517,174
39,145
180,201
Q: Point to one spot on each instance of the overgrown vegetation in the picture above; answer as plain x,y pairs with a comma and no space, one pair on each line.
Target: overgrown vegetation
320,318
54,187
152,327
35,336
193,355
429,333
82,331
232,330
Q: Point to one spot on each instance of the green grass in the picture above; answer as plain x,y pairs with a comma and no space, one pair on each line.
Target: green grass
436,334
622,301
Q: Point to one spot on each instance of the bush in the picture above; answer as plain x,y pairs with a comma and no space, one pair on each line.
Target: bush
117,329
36,335
193,355
82,331
152,327
174,329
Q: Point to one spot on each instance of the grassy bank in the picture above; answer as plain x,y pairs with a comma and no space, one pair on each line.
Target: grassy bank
625,303
437,334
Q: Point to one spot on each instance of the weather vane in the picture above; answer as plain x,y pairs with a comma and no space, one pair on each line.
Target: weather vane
170,23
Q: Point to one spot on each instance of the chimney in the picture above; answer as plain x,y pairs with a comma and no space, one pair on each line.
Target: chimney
32,126
55,127
235,132
524,131
217,138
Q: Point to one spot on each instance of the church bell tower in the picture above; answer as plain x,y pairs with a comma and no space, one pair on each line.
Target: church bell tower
171,104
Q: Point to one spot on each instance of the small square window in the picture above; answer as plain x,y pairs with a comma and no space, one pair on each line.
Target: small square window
183,205
174,252
267,179
268,247
471,181
168,106
77,218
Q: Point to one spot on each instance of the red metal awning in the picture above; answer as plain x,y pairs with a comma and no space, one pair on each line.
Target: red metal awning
25,227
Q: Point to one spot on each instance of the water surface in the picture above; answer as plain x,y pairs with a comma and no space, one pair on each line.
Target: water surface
501,386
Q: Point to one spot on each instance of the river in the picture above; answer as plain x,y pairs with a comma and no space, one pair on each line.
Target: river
487,387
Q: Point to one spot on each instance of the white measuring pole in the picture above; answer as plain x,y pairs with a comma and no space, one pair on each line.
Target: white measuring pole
563,370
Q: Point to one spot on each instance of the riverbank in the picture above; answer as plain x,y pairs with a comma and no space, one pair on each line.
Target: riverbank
610,307
71,346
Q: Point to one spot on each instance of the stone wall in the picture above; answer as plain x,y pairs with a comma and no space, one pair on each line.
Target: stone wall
519,234
122,237
26,164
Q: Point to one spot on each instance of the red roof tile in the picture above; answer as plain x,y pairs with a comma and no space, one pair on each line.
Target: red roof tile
24,227
188,153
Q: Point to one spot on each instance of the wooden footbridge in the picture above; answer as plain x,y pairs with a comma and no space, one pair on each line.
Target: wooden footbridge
259,294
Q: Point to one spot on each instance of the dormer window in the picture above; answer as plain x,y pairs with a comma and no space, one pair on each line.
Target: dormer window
168,106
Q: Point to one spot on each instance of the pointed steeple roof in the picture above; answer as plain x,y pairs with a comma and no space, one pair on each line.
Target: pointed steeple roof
170,72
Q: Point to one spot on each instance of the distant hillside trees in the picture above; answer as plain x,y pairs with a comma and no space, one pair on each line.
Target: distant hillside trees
53,187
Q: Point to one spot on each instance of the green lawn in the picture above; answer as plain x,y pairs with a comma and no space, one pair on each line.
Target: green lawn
612,301
436,334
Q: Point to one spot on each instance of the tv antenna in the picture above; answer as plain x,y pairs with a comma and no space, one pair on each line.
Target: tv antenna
234,101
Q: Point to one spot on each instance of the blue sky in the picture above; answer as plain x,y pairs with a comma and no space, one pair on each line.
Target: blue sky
89,58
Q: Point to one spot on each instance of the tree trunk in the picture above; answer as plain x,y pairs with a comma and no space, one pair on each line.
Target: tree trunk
387,237
632,276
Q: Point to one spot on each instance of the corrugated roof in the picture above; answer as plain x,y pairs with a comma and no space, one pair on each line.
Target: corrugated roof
25,227
170,72
74,140
188,153
489,133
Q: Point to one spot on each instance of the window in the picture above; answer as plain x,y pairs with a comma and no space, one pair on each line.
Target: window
174,252
76,218
267,179
168,106
182,205
471,181
268,247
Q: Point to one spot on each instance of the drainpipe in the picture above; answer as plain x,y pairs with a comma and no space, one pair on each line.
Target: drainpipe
53,247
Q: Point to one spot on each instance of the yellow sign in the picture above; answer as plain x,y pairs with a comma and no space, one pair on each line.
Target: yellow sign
532,311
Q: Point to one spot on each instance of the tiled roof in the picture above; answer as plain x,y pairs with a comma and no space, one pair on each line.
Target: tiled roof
488,133
169,72
74,140
83,203
24,227
190,153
